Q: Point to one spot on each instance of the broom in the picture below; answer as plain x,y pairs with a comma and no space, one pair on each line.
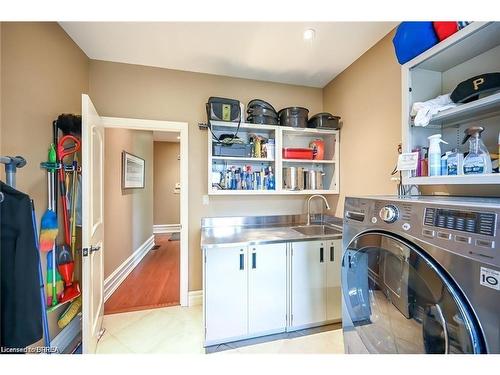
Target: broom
49,225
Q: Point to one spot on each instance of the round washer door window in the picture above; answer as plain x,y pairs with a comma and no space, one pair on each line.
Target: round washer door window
399,301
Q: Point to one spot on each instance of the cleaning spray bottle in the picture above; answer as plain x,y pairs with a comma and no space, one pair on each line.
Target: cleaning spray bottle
478,160
435,154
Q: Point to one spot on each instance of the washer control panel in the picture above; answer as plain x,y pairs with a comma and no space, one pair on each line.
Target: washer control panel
389,213
483,223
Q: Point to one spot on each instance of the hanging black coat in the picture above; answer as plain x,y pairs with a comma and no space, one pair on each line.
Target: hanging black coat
20,311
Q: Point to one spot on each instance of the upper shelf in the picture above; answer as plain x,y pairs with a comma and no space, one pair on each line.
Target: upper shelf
310,161
491,178
223,125
471,41
485,107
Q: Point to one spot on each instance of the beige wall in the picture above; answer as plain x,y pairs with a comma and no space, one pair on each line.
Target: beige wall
166,174
126,90
367,95
128,213
43,74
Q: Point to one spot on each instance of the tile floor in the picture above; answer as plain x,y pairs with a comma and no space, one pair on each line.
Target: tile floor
178,330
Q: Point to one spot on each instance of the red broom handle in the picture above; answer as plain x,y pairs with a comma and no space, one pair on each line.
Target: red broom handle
61,154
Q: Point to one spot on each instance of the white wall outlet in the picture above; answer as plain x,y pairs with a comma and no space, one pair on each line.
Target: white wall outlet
205,200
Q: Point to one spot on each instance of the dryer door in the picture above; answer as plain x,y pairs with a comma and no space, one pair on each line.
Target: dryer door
398,300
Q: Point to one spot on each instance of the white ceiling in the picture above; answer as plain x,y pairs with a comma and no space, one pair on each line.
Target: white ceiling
268,51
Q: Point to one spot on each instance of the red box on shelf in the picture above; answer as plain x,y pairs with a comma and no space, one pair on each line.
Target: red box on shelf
297,153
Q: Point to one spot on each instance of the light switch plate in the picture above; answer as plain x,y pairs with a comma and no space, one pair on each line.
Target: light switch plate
205,200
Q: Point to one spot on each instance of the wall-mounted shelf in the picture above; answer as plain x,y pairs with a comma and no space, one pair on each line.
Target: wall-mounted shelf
283,137
478,109
472,51
306,161
491,178
235,158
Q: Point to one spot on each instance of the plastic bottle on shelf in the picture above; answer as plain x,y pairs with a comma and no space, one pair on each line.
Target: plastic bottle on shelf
424,163
435,154
270,149
478,161
455,163
444,163
270,179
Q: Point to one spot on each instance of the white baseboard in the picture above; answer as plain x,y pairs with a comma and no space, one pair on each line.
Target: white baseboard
195,298
166,228
114,280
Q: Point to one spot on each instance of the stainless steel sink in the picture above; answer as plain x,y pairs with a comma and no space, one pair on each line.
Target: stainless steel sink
316,230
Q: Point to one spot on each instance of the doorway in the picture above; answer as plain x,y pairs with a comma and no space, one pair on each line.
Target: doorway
93,153
142,223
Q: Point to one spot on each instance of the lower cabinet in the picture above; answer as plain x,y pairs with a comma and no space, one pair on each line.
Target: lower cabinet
333,290
259,290
226,302
267,288
245,292
315,283
308,278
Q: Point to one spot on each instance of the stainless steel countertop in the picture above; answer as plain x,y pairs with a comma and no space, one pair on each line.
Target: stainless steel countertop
248,231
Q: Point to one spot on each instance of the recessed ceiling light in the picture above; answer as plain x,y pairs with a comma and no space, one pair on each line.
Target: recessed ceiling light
309,34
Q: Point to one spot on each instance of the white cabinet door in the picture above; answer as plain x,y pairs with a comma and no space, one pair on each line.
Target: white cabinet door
266,288
225,293
333,291
308,282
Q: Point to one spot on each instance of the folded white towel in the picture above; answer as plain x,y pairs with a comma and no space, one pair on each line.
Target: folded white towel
423,111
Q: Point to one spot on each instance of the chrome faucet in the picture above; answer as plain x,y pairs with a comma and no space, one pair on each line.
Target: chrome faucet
309,206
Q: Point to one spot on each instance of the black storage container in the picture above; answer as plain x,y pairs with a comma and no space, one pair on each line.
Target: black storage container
324,120
268,120
235,149
293,116
261,111
260,103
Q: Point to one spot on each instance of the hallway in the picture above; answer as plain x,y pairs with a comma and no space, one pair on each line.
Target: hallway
153,283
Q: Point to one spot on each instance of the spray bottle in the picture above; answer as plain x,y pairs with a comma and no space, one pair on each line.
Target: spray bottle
435,154
478,160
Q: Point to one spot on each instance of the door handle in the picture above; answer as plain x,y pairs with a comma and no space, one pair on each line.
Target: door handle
242,261
332,253
321,255
254,260
86,251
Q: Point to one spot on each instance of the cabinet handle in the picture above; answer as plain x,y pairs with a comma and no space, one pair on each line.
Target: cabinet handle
332,256
254,260
321,255
242,261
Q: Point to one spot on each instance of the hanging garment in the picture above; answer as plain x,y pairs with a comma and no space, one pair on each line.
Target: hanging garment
20,305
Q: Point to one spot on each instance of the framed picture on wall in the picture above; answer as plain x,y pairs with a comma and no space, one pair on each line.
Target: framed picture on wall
133,171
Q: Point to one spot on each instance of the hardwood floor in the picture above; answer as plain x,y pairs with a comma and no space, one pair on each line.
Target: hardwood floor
153,283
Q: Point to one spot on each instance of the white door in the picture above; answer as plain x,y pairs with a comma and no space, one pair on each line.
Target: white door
333,291
225,293
267,288
308,281
93,224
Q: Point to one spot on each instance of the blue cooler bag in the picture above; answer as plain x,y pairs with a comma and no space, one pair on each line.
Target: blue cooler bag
413,38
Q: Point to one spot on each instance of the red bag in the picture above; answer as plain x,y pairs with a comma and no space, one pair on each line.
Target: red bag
445,29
